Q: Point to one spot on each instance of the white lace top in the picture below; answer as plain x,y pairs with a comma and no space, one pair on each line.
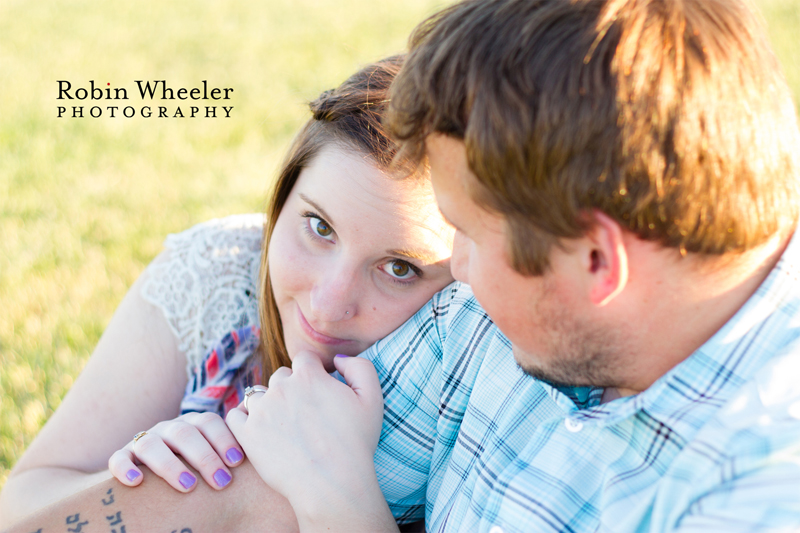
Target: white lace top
207,283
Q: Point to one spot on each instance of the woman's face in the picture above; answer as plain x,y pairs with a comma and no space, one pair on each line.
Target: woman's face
354,254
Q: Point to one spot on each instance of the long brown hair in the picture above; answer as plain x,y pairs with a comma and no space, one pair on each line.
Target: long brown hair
349,115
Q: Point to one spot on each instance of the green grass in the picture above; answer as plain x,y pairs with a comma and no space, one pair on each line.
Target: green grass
85,204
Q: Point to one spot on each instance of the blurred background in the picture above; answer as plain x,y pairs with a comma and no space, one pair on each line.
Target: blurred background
85,204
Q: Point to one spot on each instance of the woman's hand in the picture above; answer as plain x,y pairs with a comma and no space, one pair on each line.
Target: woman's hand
202,439
313,438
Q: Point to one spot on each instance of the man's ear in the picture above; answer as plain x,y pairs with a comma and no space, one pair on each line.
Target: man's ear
608,259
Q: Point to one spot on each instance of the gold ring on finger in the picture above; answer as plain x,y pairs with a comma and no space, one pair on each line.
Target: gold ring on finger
137,437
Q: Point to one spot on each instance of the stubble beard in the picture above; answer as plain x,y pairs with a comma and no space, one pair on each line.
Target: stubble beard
578,353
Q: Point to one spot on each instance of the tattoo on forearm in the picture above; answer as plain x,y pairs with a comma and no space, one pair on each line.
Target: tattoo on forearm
76,519
115,520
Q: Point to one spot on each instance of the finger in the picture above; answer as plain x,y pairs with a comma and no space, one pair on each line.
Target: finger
241,407
235,420
308,362
188,441
153,452
279,375
217,433
361,376
122,467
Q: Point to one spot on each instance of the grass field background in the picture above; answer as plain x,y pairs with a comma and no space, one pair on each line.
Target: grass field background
86,203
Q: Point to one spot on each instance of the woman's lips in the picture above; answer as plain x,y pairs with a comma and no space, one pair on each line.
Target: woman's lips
316,335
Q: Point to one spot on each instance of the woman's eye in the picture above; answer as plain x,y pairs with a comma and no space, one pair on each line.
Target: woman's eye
400,270
320,227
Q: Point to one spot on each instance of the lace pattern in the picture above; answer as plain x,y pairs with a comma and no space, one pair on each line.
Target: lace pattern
206,285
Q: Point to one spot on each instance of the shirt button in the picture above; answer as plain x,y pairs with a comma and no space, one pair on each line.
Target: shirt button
572,425
496,529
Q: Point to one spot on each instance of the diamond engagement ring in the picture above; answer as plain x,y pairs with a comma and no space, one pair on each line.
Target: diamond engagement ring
249,391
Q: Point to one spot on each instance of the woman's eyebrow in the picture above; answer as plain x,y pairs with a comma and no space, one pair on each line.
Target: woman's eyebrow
425,258
316,206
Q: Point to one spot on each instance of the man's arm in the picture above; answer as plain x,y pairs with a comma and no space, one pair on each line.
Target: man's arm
248,504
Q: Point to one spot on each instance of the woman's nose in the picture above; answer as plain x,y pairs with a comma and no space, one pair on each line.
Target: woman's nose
334,297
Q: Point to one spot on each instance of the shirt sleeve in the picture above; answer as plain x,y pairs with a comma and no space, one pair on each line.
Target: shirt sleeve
763,500
741,473
409,366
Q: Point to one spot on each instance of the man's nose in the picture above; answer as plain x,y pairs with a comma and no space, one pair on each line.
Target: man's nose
459,262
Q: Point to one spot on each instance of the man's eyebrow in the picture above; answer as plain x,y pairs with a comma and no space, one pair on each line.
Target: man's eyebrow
316,206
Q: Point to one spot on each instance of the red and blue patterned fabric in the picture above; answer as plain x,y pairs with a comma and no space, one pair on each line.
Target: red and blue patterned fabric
218,384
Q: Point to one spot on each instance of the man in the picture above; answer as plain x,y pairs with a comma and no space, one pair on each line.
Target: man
623,176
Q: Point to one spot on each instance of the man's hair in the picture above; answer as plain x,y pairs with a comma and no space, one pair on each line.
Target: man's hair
670,116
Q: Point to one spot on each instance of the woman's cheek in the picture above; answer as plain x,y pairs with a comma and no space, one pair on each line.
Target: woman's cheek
385,314
289,265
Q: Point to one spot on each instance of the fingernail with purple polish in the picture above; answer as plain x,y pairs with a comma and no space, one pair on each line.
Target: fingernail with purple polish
187,480
341,355
132,474
234,455
222,478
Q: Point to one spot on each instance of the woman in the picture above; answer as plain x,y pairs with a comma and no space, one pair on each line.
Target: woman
350,252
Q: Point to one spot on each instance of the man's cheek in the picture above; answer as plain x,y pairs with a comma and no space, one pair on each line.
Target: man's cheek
460,260
485,291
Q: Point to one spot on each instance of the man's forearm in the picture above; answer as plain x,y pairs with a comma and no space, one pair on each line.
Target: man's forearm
247,504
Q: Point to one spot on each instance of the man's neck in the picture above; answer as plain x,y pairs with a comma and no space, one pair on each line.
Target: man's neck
612,393
678,307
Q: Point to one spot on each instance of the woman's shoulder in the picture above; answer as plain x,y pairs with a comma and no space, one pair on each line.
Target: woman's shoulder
217,252
220,251
206,281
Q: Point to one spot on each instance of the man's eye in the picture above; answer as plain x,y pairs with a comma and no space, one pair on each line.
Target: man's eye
320,227
400,270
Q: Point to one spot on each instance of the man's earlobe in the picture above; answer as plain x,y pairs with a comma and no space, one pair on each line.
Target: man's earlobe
608,261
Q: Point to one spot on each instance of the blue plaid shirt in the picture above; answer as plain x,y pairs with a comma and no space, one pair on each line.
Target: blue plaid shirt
473,444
